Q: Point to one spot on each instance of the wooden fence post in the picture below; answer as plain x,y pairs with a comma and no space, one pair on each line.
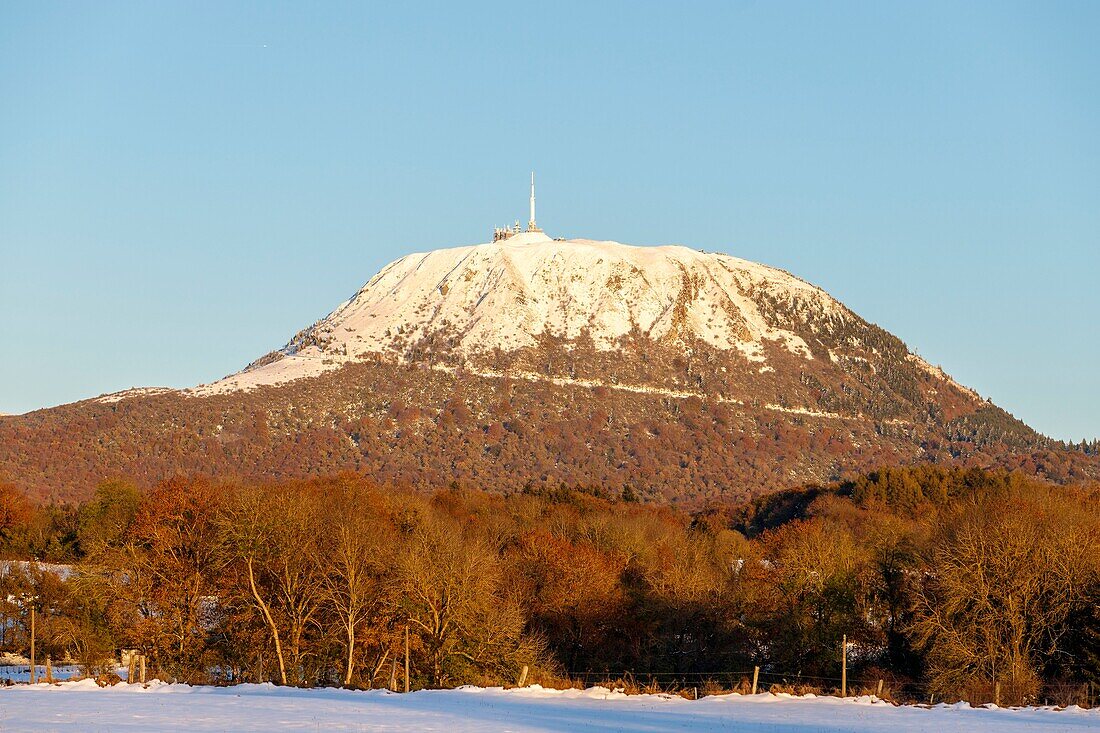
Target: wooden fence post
844,667
49,671
393,674
878,690
997,693
406,657
142,663
34,668
522,676
755,678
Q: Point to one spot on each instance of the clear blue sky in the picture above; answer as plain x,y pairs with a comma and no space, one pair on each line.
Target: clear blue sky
185,185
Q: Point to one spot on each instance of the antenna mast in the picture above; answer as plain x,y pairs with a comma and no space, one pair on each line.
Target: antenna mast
531,225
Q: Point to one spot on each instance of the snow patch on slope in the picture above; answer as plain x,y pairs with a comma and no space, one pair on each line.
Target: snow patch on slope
133,392
939,374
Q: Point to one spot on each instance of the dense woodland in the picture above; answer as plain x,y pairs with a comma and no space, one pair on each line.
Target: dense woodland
943,581
424,428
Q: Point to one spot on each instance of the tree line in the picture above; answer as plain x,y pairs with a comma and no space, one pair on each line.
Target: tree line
942,580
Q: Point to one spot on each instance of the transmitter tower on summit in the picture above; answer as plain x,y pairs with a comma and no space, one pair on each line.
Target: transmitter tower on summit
531,225
502,233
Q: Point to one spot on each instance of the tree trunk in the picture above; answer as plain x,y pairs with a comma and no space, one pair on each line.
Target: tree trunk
270,622
351,654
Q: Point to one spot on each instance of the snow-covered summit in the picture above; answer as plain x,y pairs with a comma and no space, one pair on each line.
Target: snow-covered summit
507,295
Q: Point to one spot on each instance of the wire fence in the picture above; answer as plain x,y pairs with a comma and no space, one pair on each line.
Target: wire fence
1059,694
13,673
698,684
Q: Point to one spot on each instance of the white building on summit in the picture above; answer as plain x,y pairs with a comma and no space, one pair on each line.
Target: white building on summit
502,233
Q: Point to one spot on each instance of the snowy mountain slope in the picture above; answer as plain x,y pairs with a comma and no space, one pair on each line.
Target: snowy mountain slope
511,295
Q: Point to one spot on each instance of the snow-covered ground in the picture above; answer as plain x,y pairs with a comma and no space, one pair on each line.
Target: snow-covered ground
81,706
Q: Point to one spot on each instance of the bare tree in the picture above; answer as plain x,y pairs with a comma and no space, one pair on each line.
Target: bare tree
449,584
1006,571
355,548
271,532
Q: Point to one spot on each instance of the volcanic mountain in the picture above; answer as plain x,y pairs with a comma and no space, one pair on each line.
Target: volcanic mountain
534,363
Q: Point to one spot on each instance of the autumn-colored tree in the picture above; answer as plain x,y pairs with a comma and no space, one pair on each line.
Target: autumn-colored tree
1007,568
573,594
817,593
356,549
271,532
16,511
106,518
161,577
450,587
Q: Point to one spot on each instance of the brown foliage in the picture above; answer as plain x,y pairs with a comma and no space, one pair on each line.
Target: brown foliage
729,439
968,580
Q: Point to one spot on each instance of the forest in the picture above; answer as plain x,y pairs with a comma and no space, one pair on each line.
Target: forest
944,583
424,428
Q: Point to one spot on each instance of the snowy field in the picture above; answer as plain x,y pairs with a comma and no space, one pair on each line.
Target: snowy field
81,706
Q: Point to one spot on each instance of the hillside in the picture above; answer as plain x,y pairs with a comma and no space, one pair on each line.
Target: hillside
680,374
